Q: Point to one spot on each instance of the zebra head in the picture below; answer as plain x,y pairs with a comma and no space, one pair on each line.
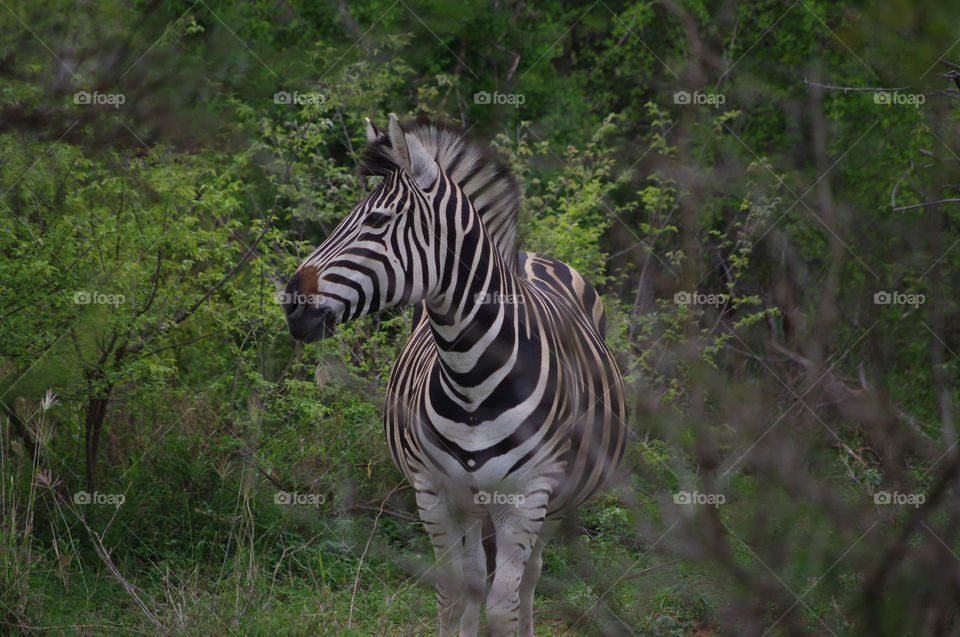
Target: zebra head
381,254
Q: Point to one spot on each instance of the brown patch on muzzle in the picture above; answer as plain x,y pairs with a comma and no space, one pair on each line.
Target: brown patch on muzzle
309,279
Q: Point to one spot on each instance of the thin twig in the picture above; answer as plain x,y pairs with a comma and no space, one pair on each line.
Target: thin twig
651,569
75,627
397,514
925,204
845,89
356,579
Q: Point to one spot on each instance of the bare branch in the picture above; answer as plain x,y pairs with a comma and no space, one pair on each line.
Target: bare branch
925,204
846,89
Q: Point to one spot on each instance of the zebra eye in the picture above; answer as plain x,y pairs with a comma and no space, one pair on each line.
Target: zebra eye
376,219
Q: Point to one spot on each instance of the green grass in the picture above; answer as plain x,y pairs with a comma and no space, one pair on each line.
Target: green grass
200,547
283,570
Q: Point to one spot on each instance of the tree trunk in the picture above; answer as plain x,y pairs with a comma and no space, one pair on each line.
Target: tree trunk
93,425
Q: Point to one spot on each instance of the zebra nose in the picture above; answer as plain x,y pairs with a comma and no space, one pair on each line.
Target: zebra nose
309,316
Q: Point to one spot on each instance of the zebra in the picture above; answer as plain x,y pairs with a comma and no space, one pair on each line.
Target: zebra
505,408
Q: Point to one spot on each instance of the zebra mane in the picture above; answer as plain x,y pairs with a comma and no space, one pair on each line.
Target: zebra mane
482,175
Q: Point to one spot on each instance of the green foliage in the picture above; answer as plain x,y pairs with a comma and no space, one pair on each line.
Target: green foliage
568,211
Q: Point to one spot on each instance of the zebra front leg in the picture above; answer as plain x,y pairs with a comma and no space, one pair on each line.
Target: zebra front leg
517,530
531,574
454,540
474,578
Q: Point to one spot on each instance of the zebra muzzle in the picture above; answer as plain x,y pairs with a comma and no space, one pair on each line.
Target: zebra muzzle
310,324
308,318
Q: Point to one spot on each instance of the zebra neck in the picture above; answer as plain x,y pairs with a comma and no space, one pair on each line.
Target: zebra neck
476,328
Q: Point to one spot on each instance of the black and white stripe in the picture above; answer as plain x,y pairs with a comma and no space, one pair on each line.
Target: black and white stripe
506,386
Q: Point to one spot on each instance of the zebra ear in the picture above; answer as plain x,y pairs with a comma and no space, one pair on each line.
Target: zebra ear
372,132
399,142
413,157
